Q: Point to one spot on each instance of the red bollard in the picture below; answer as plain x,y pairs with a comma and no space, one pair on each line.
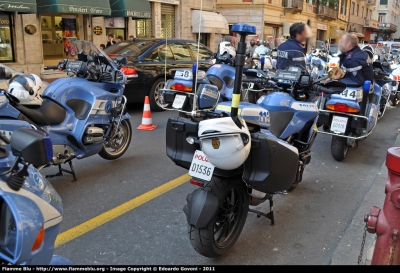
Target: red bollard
386,222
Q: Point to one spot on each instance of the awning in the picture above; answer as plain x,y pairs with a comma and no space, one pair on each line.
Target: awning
359,35
95,7
23,6
335,33
209,22
137,9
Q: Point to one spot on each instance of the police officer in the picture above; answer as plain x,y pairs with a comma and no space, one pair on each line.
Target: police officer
292,51
355,62
262,50
252,47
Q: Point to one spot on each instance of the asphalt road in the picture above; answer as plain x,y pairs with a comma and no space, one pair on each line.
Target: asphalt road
308,222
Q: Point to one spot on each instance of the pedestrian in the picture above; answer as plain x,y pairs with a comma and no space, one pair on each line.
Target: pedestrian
103,46
110,40
251,47
262,50
119,39
131,38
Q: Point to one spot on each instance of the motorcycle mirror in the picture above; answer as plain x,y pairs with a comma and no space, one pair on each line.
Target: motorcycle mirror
122,60
336,73
5,73
33,146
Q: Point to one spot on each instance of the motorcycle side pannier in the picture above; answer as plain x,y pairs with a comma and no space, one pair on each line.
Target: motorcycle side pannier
178,149
272,164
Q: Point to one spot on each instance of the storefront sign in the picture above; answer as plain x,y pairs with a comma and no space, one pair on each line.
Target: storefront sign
115,22
30,29
15,7
4,22
98,30
85,10
322,26
172,2
138,14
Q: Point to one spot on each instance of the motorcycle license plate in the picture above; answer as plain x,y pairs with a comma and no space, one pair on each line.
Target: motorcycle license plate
200,167
339,124
179,101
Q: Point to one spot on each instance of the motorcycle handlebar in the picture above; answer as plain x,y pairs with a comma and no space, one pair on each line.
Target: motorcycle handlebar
324,90
51,67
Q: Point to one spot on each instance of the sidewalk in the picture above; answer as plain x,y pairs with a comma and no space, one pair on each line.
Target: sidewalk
348,249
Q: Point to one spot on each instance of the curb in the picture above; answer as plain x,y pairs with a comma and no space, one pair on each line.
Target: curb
348,248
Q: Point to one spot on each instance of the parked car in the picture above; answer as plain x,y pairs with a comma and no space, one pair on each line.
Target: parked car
148,59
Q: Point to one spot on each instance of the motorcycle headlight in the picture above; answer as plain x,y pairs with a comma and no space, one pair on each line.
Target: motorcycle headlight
51,195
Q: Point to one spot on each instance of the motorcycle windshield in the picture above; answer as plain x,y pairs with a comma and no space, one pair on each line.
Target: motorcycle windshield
73,48
291,58
320,45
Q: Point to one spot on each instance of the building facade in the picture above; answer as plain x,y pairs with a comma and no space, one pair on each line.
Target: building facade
387,14
327,19
38,32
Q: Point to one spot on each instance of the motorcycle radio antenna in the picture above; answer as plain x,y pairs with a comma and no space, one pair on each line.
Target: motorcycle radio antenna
195,66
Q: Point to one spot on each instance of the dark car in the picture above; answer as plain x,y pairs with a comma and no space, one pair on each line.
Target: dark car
148,59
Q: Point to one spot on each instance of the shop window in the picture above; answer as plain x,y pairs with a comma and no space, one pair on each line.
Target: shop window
181,52
204,53
143,28
167,26
57,33
203,38
6,48
116,27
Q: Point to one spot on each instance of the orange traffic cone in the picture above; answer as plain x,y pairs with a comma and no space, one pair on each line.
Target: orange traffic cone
147,120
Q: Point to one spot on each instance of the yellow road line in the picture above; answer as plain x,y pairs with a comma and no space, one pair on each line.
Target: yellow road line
107,216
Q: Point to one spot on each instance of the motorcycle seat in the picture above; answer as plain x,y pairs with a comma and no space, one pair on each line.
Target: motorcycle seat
49,113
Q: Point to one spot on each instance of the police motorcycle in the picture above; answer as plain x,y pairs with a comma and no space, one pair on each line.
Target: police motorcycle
236,153
84,114
31,209
226,52
348,113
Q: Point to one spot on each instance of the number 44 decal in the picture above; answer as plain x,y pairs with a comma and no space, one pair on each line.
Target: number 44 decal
347,93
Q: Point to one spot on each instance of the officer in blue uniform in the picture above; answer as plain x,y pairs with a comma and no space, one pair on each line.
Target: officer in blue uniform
355,62
292,51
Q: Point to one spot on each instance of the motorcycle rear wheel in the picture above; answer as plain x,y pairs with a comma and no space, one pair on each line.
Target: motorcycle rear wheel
119,143
219,236
339,148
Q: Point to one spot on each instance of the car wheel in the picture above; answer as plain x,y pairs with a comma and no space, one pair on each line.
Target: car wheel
156,96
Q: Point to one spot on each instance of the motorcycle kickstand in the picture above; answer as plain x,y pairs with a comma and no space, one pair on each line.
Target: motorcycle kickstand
61,171
269,215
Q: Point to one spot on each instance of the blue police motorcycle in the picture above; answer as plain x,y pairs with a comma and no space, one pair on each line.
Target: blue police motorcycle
349,113
84,114
31,209
282,128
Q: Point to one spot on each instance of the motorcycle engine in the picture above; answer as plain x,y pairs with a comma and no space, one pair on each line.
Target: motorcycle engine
93,135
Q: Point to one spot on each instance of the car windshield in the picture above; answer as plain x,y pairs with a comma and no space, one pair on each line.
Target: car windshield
129,49
72,49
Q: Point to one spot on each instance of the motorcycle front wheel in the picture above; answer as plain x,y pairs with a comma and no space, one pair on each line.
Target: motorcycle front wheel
339,148
117,145
219,236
